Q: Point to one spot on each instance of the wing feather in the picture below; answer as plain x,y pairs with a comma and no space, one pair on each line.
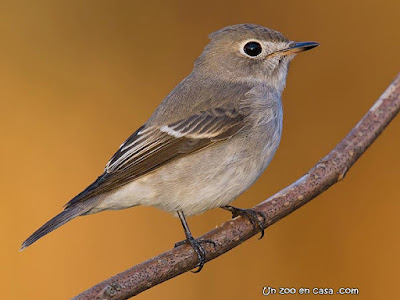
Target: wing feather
152,147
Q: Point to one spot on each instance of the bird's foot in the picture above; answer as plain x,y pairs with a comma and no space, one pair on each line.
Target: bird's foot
252,215
198,248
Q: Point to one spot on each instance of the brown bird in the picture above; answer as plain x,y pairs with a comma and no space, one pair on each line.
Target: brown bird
207,142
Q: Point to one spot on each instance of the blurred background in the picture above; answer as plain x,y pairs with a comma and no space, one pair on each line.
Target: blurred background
78,77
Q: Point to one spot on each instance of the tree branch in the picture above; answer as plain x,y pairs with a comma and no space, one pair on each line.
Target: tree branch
329,170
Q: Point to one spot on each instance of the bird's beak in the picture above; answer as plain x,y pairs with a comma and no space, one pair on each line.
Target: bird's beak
295,48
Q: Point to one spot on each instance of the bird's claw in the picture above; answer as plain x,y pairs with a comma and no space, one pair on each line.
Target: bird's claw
250,214
196,245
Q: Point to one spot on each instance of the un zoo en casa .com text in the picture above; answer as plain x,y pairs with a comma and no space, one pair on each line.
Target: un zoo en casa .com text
269,291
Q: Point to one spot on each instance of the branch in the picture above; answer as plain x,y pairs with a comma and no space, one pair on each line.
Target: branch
329,170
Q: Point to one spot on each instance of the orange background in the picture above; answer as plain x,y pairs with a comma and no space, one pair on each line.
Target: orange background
77,77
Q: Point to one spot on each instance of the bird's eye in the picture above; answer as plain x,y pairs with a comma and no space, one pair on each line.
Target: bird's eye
252,49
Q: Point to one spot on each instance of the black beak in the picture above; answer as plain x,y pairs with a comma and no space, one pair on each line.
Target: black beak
295,48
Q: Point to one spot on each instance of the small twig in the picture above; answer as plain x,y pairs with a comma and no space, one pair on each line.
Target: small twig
331,169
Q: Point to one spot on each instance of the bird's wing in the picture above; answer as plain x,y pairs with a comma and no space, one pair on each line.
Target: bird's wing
151,147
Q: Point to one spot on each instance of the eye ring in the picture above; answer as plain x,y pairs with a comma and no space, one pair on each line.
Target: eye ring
252,49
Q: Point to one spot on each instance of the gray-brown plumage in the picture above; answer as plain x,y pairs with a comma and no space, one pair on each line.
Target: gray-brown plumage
209,139
151,147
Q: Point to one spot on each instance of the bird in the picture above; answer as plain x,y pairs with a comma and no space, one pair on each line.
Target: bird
207,142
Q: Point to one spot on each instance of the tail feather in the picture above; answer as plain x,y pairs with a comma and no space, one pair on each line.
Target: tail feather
59,220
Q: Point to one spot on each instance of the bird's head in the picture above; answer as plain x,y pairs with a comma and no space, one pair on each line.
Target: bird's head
251,53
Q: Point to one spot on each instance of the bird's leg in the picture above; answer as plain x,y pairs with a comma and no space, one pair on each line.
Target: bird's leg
195,243
251,215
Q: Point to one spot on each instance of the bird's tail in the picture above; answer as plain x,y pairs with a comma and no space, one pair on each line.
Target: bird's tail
59,220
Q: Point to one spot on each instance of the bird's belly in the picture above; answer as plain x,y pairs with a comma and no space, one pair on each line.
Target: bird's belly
210,178
214,189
